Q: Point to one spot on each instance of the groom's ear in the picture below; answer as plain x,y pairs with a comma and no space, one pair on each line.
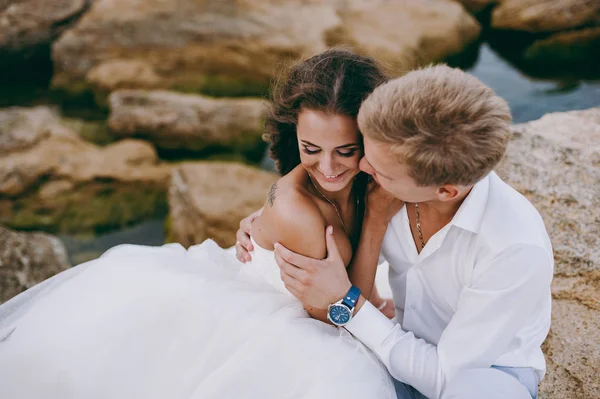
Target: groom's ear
448,192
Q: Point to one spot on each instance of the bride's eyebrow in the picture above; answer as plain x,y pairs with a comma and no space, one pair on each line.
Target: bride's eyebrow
341,146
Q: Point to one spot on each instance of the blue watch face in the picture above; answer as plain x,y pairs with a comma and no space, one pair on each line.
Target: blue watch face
339,314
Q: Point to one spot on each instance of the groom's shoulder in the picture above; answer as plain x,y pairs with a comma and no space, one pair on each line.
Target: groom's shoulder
511,219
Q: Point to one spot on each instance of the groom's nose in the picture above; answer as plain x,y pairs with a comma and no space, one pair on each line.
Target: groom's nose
364,166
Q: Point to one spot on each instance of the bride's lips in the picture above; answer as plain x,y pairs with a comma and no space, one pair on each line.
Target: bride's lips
335,178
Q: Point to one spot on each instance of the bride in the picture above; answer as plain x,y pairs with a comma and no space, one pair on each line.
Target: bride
169,323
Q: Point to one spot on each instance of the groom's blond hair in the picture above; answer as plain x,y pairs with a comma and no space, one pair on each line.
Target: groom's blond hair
444,124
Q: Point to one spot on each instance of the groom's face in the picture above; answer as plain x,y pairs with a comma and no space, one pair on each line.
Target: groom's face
391,174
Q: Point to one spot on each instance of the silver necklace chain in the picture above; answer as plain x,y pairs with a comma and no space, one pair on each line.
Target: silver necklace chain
419,225
331,202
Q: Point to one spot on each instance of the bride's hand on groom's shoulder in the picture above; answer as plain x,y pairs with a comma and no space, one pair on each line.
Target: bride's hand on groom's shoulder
243,245
380,204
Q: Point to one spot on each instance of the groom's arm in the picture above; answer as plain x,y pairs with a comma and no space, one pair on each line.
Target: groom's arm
366,259
489,314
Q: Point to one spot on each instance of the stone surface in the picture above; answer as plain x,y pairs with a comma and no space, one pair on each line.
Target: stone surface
544,15
53,180
208,200
569,47
476,6
27,259
26,24
232,47
555,163
192,122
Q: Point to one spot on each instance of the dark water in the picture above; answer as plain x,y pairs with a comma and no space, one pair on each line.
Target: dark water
529,98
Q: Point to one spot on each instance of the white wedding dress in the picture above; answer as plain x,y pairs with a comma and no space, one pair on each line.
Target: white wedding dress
169,323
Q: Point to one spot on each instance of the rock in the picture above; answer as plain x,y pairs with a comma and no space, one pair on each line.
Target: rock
232,47
186,121
57,182
26,24
545,16
570,47
555,163
27,259
208,200
475,6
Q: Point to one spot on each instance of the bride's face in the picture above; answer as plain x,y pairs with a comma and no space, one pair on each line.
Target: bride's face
330,148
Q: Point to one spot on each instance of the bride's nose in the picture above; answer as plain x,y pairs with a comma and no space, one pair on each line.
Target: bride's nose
326,165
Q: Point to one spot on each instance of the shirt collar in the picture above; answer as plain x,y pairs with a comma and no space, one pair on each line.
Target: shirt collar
472,209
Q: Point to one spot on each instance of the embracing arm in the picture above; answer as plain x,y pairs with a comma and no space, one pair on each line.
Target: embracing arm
379,210
293,220
364,264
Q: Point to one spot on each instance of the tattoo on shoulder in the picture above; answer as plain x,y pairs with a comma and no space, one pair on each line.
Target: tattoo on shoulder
272,194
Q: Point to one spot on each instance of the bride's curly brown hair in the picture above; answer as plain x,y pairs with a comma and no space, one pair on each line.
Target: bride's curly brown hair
335,81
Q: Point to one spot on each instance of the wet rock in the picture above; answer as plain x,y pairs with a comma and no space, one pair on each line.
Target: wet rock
560,35
545,16
55,181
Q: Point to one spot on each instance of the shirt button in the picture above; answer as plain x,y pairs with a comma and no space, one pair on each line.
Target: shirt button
413,307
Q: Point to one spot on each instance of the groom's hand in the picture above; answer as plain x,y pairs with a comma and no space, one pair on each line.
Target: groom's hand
315,282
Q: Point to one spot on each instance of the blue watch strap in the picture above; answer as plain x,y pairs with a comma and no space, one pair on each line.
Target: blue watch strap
352,297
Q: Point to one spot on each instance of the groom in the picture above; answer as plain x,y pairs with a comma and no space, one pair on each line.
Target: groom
470,259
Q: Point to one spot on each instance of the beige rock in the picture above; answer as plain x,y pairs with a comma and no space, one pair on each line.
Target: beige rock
26,24
236,47
171,120
27,259
475,6
555,162
56,181
208,200
544,15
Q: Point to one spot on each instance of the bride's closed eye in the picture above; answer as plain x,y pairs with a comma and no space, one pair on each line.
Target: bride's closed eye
343,153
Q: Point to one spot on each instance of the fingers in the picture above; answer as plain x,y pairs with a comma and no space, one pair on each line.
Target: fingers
284,255
332,251
244,239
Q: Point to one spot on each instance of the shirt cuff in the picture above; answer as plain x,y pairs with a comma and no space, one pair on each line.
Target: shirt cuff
370,326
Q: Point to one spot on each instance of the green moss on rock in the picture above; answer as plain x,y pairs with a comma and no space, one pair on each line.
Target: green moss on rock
92,208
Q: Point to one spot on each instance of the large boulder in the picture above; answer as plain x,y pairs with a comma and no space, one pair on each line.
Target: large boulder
51,179
208,200
231,47
186,121
561,33
27,259
555,163
476,6
26,25
545,16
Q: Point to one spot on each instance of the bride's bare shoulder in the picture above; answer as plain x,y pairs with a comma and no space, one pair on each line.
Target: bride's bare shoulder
292,218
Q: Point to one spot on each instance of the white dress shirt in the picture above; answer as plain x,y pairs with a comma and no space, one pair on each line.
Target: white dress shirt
477,295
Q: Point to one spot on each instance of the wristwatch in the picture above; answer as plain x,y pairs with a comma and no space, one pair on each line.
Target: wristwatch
340,313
